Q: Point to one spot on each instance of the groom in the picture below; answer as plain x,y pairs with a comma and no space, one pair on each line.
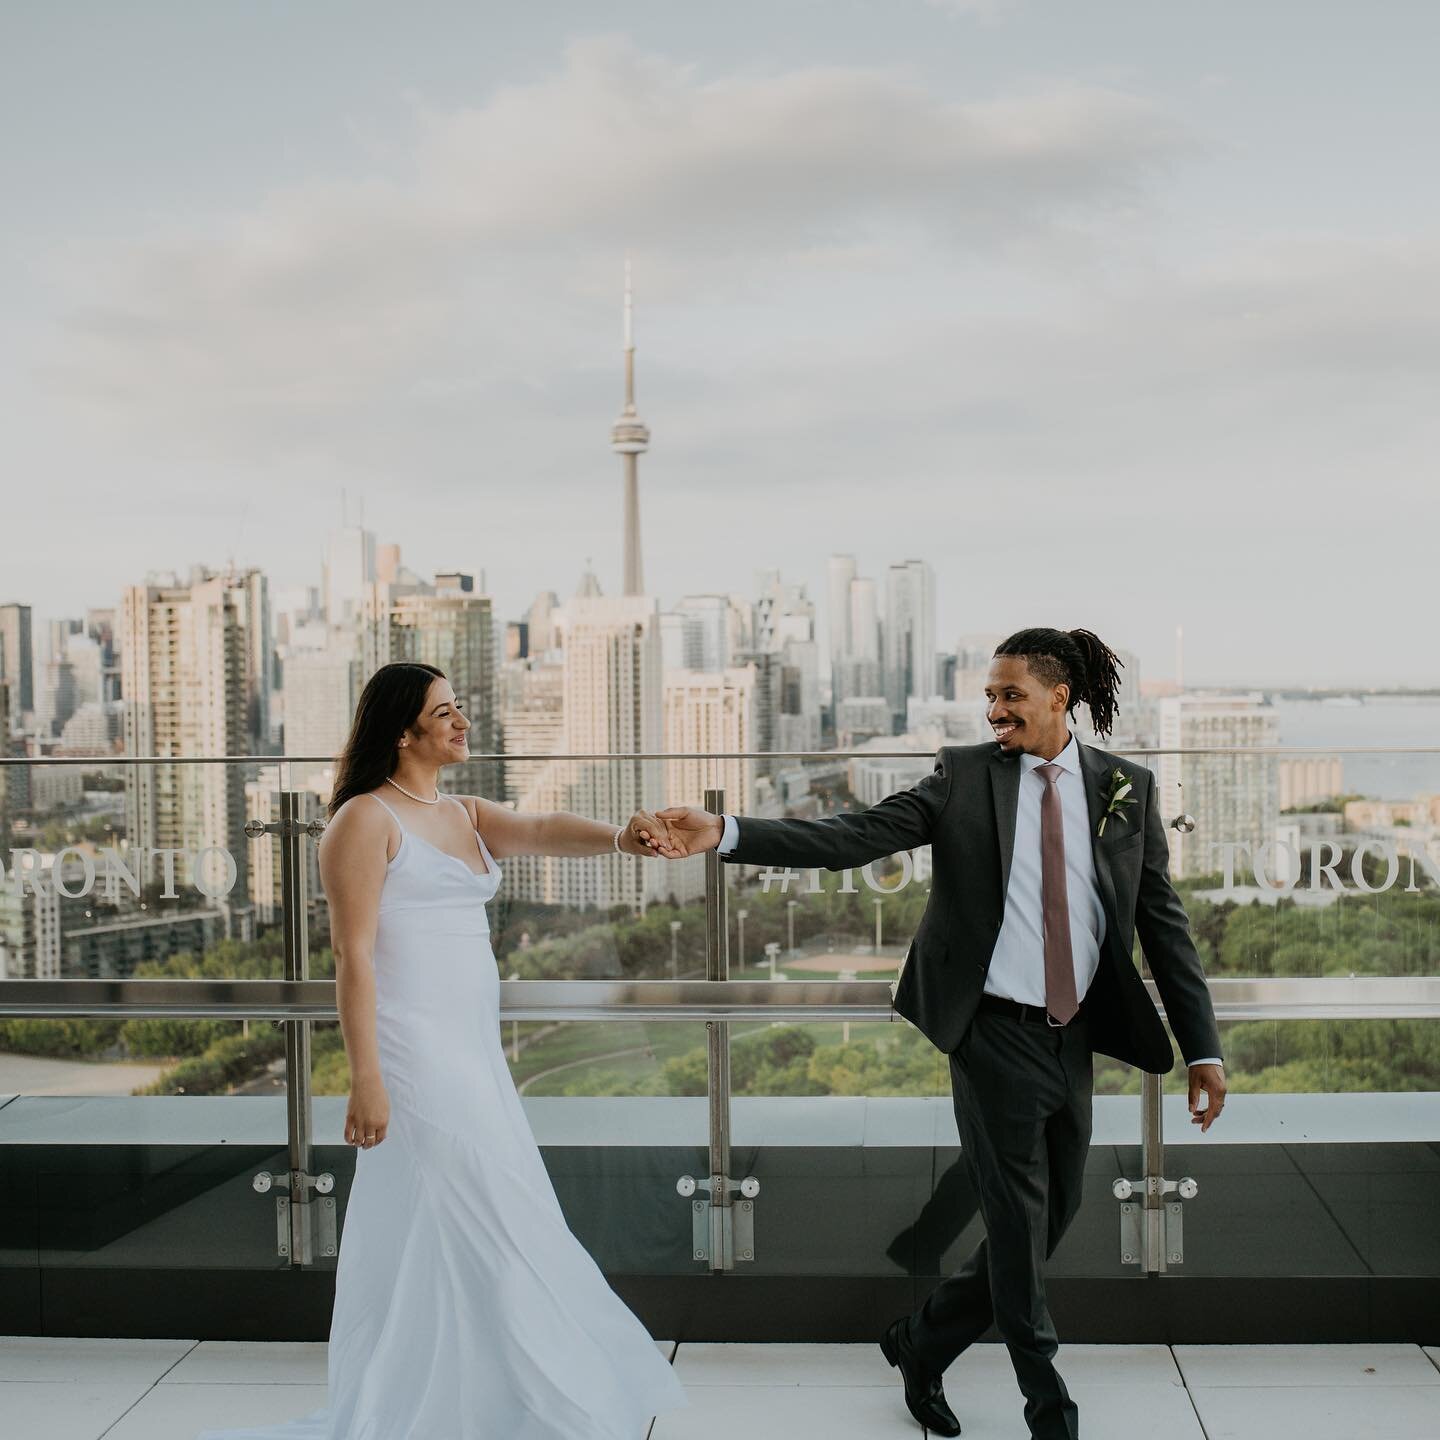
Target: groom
1049,858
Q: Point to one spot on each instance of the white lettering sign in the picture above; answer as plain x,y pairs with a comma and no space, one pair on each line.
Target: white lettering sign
1276,866
74,873
87,873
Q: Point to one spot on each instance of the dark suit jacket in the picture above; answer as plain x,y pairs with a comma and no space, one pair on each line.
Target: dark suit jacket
965,811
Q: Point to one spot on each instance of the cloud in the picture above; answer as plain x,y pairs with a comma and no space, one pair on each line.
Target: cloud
474,256
973,9
872,315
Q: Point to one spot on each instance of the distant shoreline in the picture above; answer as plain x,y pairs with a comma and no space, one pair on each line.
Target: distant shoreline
1282,692
1352,693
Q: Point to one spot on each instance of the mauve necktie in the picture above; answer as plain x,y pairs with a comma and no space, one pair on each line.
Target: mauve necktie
1060,999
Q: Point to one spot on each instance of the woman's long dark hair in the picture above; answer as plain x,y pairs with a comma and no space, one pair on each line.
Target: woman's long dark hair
390,704
1077,658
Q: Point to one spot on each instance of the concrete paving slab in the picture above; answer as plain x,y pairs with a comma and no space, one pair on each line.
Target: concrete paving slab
1302,1366
246,1362
64,1409
768,1412
1133,1365
181,1412
1319,1412
780,1365
88,1361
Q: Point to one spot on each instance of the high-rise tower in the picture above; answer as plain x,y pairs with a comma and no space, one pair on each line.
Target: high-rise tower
629,439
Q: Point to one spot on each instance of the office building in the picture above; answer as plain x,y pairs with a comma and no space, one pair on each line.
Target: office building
349,572
532,722
909,637
17,660
1309,779
1234,799
193,687
710,713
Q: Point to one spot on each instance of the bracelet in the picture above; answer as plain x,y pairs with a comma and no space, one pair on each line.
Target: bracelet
615,839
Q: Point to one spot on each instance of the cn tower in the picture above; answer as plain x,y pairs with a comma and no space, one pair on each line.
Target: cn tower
629,439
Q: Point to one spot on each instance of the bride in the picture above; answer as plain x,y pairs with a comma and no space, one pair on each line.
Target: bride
464,1307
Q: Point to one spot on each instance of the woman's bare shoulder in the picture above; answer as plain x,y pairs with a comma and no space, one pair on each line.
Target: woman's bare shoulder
359,819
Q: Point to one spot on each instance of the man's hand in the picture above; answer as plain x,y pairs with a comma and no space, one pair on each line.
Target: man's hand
1210,1079
683,830
641,834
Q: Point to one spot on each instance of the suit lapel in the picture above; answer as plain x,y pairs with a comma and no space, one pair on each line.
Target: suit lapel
1096,785
1005,790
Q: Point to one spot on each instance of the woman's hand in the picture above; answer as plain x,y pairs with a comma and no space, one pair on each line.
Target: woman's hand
644,835
367,1117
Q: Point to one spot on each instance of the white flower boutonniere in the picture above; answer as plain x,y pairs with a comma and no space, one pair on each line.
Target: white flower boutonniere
1116,801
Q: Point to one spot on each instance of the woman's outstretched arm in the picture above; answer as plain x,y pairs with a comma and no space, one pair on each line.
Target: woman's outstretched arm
514,832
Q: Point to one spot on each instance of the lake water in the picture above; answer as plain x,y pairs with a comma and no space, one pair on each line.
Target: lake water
1378,720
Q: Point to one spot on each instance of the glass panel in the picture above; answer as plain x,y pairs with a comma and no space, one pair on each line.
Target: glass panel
863,1109
1302,1057
1306,864
910,1205
816,924
143,871
140,1182
1325,1162
618,1109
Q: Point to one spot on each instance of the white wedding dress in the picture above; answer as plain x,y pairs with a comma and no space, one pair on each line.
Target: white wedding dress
464,1307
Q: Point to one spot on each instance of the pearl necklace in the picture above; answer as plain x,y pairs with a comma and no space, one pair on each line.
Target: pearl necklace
420,798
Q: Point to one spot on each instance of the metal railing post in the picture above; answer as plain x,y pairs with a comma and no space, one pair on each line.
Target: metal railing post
1152,1217
722,1227
295,912
717,1044
1152,1165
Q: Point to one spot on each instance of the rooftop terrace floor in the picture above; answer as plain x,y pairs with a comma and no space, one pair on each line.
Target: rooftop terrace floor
63,1389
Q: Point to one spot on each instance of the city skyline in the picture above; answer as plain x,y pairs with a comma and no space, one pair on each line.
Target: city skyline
1068,310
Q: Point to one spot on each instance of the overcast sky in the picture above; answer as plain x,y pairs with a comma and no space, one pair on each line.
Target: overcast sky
1124,315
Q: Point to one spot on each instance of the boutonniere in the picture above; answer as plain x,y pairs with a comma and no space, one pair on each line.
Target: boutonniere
1116,801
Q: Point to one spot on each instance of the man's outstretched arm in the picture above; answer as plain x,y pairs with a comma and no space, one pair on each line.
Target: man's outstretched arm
839,842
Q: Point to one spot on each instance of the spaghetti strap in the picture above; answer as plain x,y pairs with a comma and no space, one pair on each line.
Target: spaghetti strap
391,813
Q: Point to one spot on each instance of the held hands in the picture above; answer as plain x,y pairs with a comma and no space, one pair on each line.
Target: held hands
1210,1079
635,838
675,833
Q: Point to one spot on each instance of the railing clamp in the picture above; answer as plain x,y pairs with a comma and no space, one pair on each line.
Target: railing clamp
722,1230
1150,1225
294,1187
323,1184
286,829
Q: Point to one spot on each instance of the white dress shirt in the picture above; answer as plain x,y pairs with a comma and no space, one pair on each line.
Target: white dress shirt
1017,967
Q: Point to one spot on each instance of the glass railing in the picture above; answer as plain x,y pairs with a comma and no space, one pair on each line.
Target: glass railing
153,870
677,1031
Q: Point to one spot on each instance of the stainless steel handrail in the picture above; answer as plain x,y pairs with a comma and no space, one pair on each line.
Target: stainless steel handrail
258,760
1360,997
694,1000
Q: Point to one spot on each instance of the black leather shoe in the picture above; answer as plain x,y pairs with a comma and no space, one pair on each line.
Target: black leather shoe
924,1395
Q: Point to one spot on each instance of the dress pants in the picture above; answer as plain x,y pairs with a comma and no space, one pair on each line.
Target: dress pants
1023,1106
